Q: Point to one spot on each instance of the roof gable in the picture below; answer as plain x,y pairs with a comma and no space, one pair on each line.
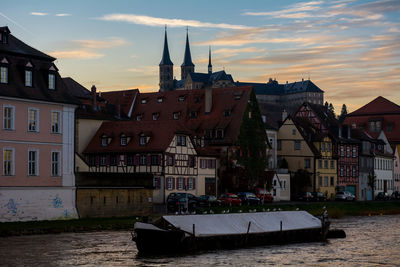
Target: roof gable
379,105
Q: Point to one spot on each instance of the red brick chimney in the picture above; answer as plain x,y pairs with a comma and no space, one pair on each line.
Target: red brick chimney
94,97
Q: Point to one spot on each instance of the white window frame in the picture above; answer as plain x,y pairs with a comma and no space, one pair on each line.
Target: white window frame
36,120
180,183
169,183
190,183
12,117
4,74
35,162
52,122
52,81
58,167
203,163
12,167
28,77
124,140
142,140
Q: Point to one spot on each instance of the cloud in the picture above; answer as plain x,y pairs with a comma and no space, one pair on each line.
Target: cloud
75,54
157,22
63,15
39,14
101,44
301,7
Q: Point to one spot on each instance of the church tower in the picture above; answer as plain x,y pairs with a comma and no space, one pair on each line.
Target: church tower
209,61
187,65
166,68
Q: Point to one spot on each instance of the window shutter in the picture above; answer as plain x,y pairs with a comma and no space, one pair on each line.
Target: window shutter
97,160
195,161
159,182
148,160
214,161
173,160
173,183
118,159
136,160
159,160
126,159
107,159
208,163
184,182
194,182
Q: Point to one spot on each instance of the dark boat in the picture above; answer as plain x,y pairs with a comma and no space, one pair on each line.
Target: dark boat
187,233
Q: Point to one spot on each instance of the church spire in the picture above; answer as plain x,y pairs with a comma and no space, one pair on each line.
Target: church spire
209,60
166,60
187,65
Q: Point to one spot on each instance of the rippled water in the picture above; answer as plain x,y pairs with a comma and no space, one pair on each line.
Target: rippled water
371,241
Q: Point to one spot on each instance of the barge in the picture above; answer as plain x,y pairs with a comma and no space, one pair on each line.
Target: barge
188,233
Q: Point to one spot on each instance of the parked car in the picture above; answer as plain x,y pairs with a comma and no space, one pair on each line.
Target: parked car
230,199
181,201
248,198
263,194
318,196
395,195
208,201
344,195
382,196
305,196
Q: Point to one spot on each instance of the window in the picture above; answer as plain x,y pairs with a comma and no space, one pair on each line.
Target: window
320,164
227,112
326,181
354,152
154,160
347,152
341,171
28,78
8,118
378,126
155,116
92,160
104,141
220,134
332,164
55,122
192,161
389,127
33,120
32,163
181,140
113,160
3,74
130,160
294,132
181,98
190,183
279,145
208,134
139,117
341,151
211,163
354,171
142,140
348,171
123,140
328,147
325,164
176,115
157,182
193,114
8,161
297,145
180,183
52,81
320,180
55,163
323,147
203,163
372,126
103,160
142,160
159,100
144,101
170,160
307,163
170,183
332,181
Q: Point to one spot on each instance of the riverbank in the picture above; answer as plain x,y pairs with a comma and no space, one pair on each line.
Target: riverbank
335,210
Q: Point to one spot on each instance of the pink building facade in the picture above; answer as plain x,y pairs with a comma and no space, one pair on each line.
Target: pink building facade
36,136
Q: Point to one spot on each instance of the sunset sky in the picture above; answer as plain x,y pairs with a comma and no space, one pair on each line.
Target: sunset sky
350,49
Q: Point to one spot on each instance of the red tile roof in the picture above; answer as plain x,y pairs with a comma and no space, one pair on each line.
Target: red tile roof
378,106
124,97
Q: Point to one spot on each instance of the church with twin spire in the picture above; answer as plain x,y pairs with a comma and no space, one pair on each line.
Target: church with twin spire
189,78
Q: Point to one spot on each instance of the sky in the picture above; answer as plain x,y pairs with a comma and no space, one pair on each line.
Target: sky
348,48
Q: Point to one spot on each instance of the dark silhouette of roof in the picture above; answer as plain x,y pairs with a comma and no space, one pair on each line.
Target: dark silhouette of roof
166,60
209,79
76,89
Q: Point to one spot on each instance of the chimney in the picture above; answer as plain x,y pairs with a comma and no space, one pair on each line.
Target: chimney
208,100
118,108
284,115
348,132
94,97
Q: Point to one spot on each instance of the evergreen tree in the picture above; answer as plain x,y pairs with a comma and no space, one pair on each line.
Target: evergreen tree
331,109
343,113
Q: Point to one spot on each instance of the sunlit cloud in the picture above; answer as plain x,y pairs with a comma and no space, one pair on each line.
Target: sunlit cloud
290,11
63,15
75,54
100,44
158,22
39,14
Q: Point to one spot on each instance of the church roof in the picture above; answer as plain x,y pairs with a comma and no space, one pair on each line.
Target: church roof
166,60
187,60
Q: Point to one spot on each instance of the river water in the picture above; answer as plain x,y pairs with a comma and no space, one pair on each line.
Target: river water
371,241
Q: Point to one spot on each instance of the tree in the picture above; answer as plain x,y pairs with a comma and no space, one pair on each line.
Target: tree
331,109
343,113
371,183
300,181
283,164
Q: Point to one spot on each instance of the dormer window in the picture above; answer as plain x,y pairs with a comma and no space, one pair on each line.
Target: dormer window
181,140
176,115
155,116
3,74
193,114
4,38
227,112
28,77
160,100
123,140
144,101
104,140
143,140
52,81
181,98
208,134
139,117
197,99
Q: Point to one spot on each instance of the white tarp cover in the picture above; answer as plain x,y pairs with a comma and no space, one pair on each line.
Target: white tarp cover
139,225
237,223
